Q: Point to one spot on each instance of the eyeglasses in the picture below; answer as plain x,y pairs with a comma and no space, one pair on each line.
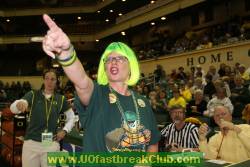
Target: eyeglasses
120,59
222,114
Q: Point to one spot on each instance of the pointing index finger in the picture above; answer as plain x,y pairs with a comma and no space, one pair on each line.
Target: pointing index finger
50,23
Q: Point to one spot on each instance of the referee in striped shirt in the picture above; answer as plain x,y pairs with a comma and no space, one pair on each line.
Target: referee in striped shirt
180,135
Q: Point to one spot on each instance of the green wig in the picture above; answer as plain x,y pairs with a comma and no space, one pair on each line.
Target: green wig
124,50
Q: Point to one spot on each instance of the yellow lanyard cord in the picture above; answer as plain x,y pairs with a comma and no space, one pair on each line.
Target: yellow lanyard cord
48,112
218,157
31,107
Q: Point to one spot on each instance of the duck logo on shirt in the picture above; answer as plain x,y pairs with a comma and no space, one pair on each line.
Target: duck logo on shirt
130,137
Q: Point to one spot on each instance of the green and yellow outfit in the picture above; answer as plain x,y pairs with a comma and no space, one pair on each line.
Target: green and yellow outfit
102,118
39,113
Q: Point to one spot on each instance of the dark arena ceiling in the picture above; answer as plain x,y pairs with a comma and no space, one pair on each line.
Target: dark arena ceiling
90,24
80,19
23,18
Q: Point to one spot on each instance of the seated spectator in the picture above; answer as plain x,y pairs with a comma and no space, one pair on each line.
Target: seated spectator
155,104
231,83
221,70
69,94
197,85
177,99
228,70
243,73
231,143
169,89
209,88
192,72
26,86
152,95
3,95
212,71
219,99
163,99
173,74
199,71
236,68
180,135
145,91
181,75
159,73
240,96
157,89
7,86
138,89
198,105
185,91
190,84
219,83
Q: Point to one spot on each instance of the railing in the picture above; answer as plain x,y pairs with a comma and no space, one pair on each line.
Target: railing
149,80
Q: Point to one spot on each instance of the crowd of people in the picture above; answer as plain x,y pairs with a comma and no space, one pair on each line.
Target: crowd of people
199,91
15,90
181,95
165,43
117,110
217,99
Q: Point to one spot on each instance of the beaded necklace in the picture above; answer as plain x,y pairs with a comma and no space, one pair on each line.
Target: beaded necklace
121,110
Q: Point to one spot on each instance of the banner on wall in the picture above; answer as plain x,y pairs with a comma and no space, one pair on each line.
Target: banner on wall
228,54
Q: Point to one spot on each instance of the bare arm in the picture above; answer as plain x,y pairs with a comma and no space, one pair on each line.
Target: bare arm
56,41
83,84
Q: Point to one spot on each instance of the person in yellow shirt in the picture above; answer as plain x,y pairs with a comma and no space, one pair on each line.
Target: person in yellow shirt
177,99
231,143
185,92
243,73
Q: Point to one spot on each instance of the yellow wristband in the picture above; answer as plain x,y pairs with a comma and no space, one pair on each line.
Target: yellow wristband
68,61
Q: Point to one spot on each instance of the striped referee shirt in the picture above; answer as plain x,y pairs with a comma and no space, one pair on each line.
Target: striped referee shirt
187,137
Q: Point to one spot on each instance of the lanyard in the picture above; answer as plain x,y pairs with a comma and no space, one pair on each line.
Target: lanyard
218,157
121,110
48,112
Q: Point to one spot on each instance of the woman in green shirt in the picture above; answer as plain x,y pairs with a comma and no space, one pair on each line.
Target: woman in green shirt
115,117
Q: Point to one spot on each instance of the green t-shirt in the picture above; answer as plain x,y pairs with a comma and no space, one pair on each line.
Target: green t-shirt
37,116
105,129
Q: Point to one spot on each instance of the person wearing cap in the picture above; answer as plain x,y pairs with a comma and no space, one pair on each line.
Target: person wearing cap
231,143
114,117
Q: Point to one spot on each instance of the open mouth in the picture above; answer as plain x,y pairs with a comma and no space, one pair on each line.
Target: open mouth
114,70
